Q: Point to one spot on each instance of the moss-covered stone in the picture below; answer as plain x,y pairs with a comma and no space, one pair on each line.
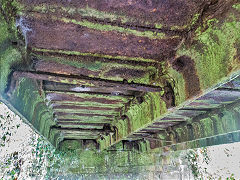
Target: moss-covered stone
8,54
214,50
30,104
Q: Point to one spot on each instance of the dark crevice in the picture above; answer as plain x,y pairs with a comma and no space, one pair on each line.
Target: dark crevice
228,89
61,122
169,97
186,66
65,121
140,99
197,109
84,114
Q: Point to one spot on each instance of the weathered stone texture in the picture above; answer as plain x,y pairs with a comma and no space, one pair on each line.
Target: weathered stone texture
115,71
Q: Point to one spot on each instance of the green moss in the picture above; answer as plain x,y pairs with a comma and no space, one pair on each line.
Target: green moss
236,6
101,27
158,26
142,114
86,119
195,19
30,100
86,12
214,51
106,27
39,119
90,96
29,103
180,133
207,125
42,123
90,126
103,15
7,59
196,129
90,104
90,12
187,26
5,35
229,121
71,81
174,28
8,54
53,136
101,67
178,85
16,98
217,124
70,144
97,65
94,55
48,123
11,8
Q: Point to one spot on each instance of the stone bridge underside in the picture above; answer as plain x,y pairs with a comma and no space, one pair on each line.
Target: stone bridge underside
136,74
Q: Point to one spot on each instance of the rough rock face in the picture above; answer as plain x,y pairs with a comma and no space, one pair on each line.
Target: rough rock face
102,73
